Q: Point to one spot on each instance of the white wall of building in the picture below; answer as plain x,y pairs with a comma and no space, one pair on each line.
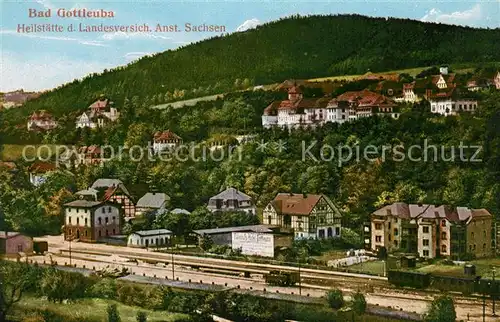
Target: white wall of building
135,240
252,243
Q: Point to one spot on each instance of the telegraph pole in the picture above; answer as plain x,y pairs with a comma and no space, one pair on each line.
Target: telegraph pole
300,281
172,253
484,306
69,239
494,291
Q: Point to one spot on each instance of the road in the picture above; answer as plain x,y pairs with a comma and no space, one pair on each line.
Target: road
315,282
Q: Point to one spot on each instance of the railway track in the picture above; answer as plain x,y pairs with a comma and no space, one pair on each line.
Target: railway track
233,266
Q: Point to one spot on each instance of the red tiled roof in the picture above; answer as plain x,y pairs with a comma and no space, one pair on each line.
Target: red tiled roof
447,78
109,193
93,149
100,104
444,94
296,204
166,136
365,98
294,90
41,116
8,165
42,167
289,83
481,213
272,108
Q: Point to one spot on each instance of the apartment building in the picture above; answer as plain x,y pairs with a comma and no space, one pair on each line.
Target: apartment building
432,231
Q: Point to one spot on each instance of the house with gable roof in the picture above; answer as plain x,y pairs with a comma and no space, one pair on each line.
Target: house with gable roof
100,113
152,201
39,170
41,121
113,190
306,215
166,140
231,199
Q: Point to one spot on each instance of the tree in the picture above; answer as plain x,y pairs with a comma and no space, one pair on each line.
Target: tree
138,134
15,280
442,309
358,303
141,316
113,314
206,242
335,298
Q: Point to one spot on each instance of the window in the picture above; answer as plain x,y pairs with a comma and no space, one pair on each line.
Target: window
443,235
443,248
77,210
396,232
109,209
69,219
484,247
378,239
443,223
389,237
472,235
103,210
99,220
484,233
389,226
378,226
106,220
425,229
425,242
77,220
86,221
269,220
426,253
19,248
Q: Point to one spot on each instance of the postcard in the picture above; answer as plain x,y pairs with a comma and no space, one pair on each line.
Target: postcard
249,160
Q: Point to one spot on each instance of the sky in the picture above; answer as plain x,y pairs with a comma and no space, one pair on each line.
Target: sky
44,60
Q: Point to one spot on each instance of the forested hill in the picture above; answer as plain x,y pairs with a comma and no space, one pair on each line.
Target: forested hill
295,47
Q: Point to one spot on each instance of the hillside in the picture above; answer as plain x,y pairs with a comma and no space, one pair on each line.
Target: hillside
296,47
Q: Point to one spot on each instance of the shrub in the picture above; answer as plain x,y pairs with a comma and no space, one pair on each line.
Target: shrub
141,316
113,315
358,303
105,288
335,298
442,309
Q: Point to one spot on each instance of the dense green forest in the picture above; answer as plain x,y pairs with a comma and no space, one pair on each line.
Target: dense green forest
357,186
295,47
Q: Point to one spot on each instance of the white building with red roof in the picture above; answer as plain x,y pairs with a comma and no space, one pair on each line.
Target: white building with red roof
357,104
166,140
448,102
38,171
297,111
100,113
41,121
